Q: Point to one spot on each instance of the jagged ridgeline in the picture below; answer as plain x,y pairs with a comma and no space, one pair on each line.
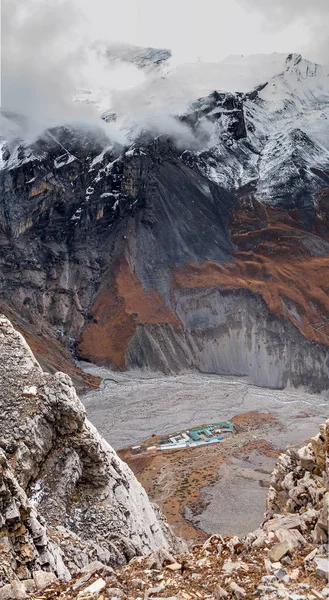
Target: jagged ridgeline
212,257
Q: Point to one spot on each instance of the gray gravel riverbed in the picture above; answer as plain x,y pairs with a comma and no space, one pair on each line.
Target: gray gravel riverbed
130,407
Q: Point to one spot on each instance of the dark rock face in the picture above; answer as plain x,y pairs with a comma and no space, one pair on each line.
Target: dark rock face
66,218
99,245
184,218
226,109
55,230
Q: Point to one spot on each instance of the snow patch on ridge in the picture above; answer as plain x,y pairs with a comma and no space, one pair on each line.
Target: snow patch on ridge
287,136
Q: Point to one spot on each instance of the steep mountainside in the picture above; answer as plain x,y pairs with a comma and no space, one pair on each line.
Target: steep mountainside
66,499
212,257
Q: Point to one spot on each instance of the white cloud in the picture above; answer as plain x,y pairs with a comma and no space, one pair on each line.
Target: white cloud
204,29
46,55
312,16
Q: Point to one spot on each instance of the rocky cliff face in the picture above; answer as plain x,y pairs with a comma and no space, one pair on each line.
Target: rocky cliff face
153,256
65,497
299,485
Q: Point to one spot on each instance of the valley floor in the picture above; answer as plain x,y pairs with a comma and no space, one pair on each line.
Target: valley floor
204,490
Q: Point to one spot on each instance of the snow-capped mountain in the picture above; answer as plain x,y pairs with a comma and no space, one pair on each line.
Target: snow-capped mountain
277,136
199,241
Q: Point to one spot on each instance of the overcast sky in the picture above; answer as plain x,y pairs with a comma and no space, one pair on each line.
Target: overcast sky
213,29
46,49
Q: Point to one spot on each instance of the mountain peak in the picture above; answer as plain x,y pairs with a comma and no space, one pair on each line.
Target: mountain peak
293,59
303,68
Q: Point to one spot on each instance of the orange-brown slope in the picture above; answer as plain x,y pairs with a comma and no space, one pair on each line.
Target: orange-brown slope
273,259
121,305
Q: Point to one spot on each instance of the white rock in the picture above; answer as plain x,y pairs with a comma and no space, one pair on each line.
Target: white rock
160,558
220,593
43,579
278,551
238,591
311,555
322,566
6,592
94,589
30,392
19,590
292,537
229,567
306,458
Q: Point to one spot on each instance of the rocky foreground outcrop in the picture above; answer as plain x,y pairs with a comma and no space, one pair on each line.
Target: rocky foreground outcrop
66,499
286,558
71,510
